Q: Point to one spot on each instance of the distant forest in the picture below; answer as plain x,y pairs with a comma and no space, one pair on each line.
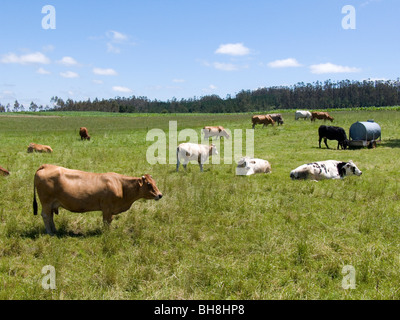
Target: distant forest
317,95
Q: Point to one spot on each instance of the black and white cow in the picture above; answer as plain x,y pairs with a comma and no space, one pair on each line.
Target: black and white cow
330,169
333,133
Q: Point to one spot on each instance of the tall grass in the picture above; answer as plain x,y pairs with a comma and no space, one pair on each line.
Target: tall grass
214,235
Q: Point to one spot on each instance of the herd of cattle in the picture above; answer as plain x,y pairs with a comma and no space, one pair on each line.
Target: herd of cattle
112,193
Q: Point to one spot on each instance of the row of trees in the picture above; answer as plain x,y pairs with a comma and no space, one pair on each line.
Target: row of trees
317,95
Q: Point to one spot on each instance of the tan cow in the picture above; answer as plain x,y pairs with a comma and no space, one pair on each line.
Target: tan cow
321,115
215,132
79,191
84,133
4,172
261,119
39,148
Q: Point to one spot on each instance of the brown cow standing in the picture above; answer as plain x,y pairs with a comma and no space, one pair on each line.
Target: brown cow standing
39,148
79,191
4,172
321,115
264,120
83,132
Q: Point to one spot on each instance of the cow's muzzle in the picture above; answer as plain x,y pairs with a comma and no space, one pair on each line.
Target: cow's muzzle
158,197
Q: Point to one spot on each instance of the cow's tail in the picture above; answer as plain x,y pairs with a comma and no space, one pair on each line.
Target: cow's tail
35,205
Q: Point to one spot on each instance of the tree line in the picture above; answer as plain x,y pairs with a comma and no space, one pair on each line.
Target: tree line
317,95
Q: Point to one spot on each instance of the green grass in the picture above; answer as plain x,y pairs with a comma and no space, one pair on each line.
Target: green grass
214,235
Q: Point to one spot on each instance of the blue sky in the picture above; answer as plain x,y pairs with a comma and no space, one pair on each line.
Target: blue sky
163,49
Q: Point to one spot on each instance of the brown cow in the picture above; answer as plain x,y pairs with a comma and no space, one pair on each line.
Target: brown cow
80,192
83,132
39,148
264,120
216,131
321,115
4,172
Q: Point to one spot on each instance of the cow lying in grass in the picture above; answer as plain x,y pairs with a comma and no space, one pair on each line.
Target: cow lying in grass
80,192
330,169
39,148
248,166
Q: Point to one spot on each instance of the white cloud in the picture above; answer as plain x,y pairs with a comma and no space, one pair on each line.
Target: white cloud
117,36
332,68
178,80
68,61
42,71
69,75
98,81
121,89
233,49
104,72
285,63
31,58
113,49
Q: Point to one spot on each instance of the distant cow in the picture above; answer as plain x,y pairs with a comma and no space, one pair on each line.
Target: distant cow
4,172
83,132
300,114
215,132
187,152
277,117
264,120
333,133
330,169
248,166
321,116
80,192
33,147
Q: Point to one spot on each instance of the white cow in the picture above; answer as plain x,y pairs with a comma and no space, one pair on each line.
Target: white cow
187,152
248,166
215,132
302,114
330,169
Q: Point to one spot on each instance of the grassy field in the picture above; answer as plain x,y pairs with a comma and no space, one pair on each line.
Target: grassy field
214,235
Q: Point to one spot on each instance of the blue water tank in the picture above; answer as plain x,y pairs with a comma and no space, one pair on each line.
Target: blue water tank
366,131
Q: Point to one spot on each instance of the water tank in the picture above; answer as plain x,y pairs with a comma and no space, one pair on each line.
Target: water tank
366,131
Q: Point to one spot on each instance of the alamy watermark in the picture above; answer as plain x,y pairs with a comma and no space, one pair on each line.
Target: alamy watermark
49,20
168,143
49,280
349,20
349,277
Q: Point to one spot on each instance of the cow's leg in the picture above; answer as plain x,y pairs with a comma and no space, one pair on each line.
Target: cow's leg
47,215
320,139
325,141
254,125
107,218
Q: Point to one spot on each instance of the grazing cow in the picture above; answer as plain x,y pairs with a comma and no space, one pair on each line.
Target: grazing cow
302,114
187,152
330,169
83,132
39,148
4,172
333,133
80,192
264,120
321,116
277,117
215,132
248,166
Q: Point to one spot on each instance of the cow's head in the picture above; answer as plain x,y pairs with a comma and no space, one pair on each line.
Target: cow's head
345,144
225,134
149,188
348,169
213,150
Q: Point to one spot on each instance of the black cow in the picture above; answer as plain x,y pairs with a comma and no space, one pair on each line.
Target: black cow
333,133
